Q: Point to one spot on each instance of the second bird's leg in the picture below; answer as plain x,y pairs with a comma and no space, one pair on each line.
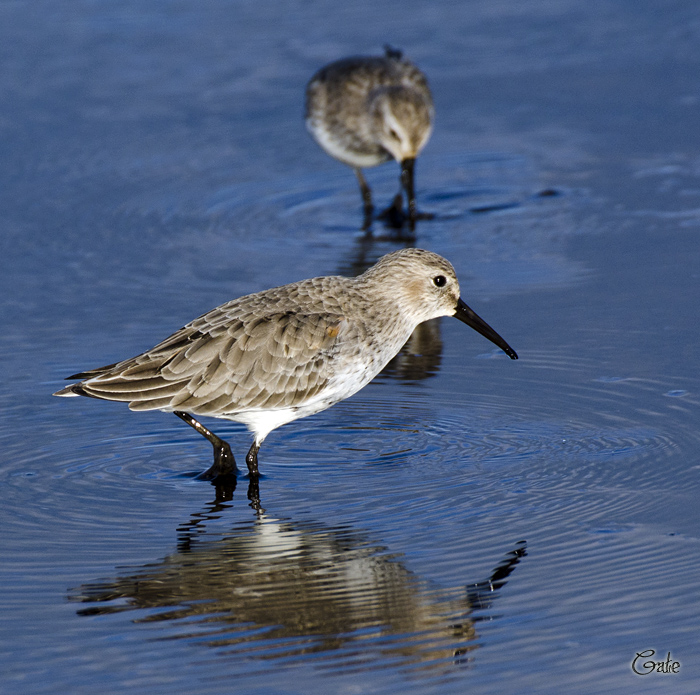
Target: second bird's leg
407,183
407,168
224,462
368,207
251,460
394,215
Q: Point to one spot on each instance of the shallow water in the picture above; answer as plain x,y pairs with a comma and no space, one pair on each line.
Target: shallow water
154,164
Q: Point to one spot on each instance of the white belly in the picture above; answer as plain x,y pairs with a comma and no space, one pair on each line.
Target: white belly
333,145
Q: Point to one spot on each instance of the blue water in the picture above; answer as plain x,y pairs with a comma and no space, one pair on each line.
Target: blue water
154,164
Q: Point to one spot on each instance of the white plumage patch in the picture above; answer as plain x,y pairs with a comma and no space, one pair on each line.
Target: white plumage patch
331,145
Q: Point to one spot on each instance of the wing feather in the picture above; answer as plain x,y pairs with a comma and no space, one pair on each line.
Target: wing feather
221,365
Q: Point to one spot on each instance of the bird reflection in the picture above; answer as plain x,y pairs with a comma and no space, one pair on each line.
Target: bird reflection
420,357
281,590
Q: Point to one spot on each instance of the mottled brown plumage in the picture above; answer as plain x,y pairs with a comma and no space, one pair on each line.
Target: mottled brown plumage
367,110
272,357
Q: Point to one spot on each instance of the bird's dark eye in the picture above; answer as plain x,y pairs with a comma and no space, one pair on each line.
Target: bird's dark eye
439,281
394,135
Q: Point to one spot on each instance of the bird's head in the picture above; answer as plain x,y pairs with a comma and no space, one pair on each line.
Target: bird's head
402,120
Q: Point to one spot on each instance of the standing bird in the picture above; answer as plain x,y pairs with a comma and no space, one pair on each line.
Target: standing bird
365,110
275,356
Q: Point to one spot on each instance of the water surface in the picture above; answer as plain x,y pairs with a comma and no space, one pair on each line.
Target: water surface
154,164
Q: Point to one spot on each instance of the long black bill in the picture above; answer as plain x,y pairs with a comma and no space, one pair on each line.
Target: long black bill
407,167
466,315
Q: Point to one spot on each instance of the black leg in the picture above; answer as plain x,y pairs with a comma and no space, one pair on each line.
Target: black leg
254,495
407,177
224,463
251,460
366,200
394,216
407,183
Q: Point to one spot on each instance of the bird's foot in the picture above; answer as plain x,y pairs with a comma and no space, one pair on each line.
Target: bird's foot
395,217
224,463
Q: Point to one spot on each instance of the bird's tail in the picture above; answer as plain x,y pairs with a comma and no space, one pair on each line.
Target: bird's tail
75,389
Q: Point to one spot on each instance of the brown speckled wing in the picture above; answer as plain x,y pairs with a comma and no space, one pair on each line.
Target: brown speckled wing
220,365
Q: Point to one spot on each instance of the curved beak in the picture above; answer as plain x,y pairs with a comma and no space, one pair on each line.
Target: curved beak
407,167
466,315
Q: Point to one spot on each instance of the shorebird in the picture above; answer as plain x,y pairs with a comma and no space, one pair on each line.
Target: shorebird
272,357
364,111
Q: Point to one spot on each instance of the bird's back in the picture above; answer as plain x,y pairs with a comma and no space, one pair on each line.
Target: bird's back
282,348
337,104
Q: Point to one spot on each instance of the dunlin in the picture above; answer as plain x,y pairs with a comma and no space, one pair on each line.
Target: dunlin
366,110
272,357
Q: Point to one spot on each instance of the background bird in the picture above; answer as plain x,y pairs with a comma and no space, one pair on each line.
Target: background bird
367,110
278,355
